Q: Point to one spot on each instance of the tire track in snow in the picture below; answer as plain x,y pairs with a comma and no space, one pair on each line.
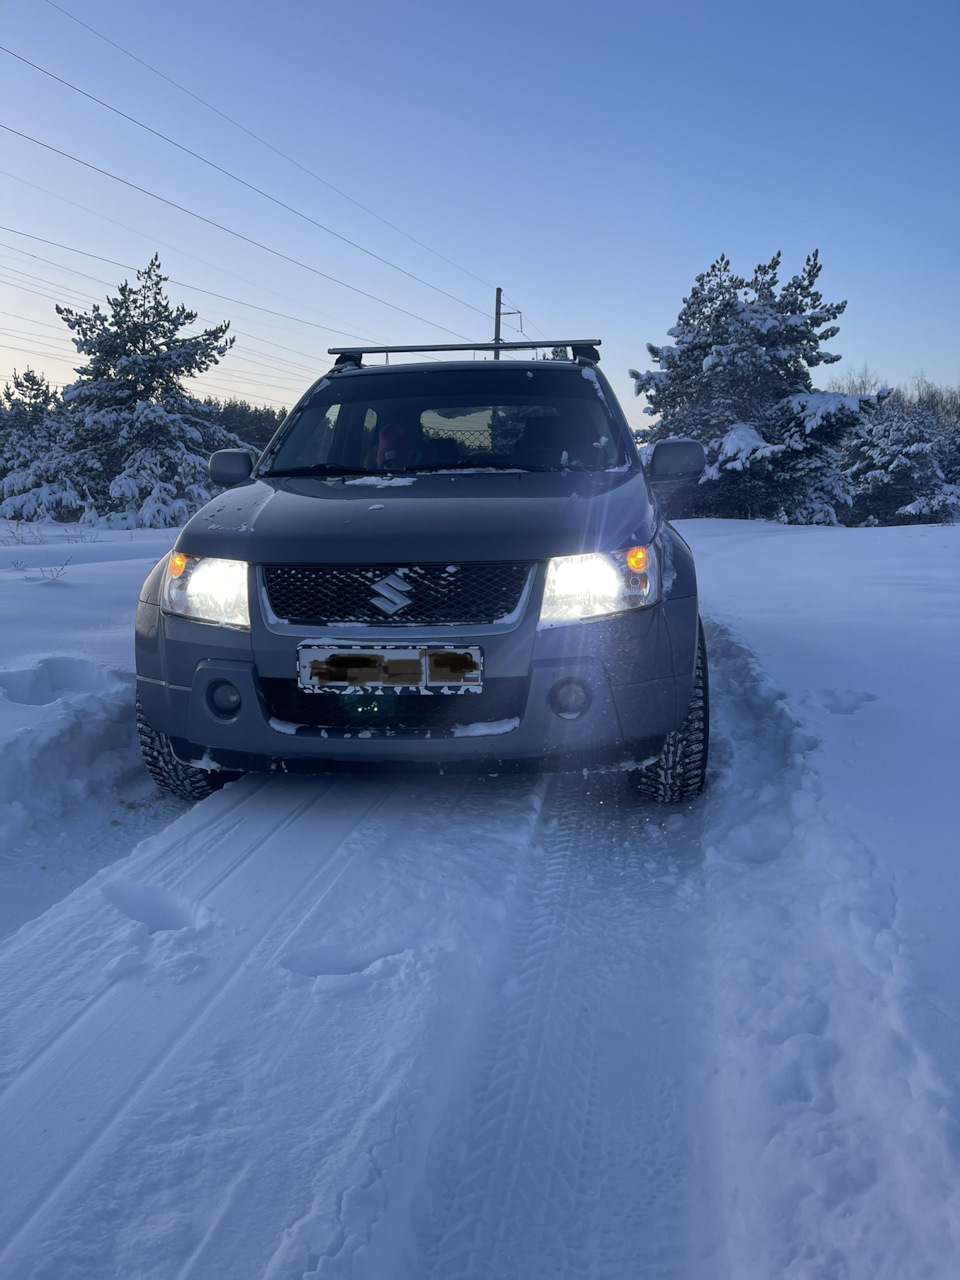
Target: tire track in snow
66,1157
143,1140
574,1150
354,1226
16,1070
347,1122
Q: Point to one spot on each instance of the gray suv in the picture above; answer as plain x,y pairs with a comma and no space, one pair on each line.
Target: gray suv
454,563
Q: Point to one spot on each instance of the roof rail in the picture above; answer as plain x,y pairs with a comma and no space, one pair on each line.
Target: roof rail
580,346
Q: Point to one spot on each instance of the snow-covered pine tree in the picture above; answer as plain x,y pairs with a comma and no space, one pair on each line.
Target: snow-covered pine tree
132,445
944,404
25,410
29,430
737,378
949,446
895,464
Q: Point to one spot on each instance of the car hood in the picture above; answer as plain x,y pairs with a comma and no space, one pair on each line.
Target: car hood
462,517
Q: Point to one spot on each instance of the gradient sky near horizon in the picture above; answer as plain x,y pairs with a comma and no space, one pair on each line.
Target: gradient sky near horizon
590,160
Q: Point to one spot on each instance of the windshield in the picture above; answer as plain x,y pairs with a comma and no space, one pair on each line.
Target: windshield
437,420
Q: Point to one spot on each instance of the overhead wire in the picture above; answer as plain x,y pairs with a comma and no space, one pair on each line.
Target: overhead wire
283,155
269,145
50,298
194,257
240,302
239,356
242,181
44,324
305,266
237,332
40,341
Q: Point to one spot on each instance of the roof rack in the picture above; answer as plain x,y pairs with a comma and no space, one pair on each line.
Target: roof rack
584,350
463,346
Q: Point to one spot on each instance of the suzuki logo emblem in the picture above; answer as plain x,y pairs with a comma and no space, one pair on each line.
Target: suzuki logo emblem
391,597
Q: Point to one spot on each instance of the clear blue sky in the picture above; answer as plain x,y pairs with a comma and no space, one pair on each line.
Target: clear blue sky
590,159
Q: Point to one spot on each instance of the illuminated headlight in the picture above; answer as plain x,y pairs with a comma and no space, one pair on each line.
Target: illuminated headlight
579,588
207,589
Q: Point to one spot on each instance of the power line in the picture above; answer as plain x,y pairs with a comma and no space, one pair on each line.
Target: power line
240,333
263,142
242,181
183,284
239,355
26,351
283,155
50,262
15,315
230,231
155,240
40,341
13,284
237,332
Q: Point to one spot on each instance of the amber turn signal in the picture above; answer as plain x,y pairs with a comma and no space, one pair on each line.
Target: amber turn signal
637,558
178,562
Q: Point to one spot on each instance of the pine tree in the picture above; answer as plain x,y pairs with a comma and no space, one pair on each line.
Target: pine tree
948,426
737,378
896,468
255,425
25,409
132,445
29,429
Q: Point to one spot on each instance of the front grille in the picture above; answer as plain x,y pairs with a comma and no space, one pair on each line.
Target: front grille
395,595
391,714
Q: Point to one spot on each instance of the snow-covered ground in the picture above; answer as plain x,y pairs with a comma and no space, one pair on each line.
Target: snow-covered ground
383,1027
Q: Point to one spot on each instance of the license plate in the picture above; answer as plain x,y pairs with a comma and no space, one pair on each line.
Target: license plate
360,667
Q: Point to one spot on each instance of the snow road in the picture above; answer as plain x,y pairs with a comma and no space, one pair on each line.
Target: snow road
274,1035
372,1026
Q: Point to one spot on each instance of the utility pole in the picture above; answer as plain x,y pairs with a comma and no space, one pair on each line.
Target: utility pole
498,312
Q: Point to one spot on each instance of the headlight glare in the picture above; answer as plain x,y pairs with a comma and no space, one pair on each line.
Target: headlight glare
579,588
207,589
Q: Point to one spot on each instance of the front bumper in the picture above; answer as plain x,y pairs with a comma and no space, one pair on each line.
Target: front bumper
637,668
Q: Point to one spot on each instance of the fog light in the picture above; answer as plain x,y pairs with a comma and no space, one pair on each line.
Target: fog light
569,699
224,698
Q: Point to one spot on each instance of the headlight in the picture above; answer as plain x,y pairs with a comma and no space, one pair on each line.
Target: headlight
207,589
579,588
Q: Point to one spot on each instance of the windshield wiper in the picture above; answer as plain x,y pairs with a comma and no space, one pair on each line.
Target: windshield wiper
321,469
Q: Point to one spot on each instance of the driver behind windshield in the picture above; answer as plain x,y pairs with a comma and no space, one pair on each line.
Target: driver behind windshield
400,445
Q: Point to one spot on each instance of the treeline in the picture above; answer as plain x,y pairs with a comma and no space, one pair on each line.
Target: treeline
127,444
737,377
255,425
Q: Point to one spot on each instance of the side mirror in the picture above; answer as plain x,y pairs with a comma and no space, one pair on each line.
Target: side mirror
677,460
228,467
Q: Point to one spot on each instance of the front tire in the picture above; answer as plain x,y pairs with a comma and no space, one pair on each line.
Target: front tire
677,775
169,773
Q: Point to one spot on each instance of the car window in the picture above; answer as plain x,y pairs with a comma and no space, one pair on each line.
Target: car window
410,422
